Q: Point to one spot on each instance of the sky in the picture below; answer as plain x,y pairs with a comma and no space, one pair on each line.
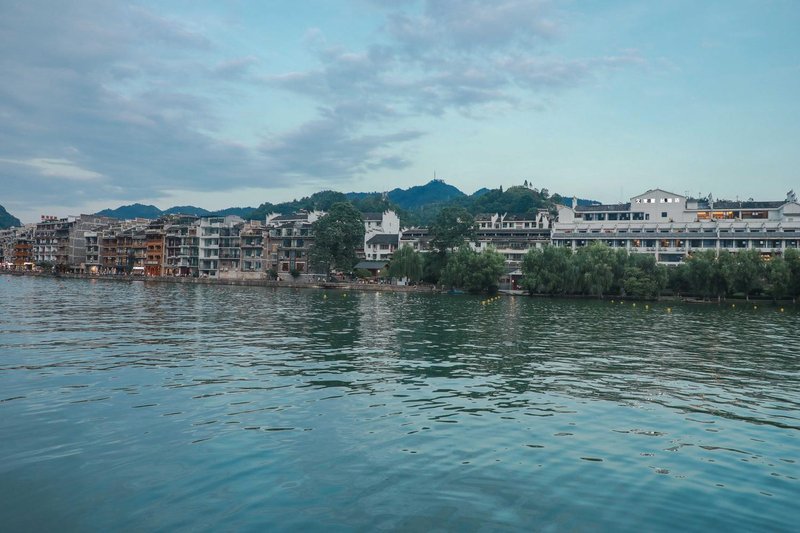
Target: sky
236,103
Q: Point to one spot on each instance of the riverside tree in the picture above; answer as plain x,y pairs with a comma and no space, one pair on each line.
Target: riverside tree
337,236
548,270
472,271
406,263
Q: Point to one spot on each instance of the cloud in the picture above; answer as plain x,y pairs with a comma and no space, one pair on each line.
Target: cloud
57,168
332,148
113,100
460,55
234,68
473,24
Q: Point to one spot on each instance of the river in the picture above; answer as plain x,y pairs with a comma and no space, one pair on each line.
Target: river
152,406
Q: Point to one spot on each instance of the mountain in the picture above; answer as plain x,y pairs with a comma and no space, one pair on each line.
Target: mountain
186,210
433,192
243,212
6,220
131,211
150,211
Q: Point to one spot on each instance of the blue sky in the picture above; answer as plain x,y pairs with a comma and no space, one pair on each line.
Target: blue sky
219,104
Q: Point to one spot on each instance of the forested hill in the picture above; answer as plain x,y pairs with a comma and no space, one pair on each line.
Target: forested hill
419,205
416,205
125,212
7,220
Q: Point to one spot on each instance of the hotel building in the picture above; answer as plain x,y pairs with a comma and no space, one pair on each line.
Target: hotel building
671,226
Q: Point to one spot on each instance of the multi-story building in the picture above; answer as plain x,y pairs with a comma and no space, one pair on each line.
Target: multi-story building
252,239
512,235
671,226
288,242
381,246
44,239
182,247
92,247
417,238
385,224
154,243
123,248
218,244
23,253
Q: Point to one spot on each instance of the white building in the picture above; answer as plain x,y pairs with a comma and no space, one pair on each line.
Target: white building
671,226
218,244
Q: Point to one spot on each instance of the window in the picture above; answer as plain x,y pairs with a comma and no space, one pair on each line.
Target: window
663,214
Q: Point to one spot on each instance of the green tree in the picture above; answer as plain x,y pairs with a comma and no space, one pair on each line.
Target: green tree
644,277
595,264
406,263
337,236
745,272
779,277
453,227
432,266
547,270
473,271
792,258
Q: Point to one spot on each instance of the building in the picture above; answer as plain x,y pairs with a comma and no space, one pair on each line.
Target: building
671,226
44,239
252,252
381,246
385,223
418,239
289,241
181,246
155,243
16,247
512,235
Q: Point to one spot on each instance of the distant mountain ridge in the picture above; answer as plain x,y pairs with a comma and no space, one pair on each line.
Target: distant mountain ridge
125,212
7,220
417,205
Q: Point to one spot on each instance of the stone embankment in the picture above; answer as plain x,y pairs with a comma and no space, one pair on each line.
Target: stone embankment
371,287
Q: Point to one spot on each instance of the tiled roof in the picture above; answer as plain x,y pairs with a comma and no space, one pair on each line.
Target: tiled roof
384,238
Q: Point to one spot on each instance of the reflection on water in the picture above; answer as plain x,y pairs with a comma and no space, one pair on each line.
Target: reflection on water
139,405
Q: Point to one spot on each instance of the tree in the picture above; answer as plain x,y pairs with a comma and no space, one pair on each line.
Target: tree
473,271
406,263
644,277
432,266
779,277
547,270
746,272
792,258
595,269
337,235
453,226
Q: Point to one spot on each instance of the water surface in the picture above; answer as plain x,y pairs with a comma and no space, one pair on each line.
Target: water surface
147,406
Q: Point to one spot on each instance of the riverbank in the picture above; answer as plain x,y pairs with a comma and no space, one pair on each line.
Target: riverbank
367,287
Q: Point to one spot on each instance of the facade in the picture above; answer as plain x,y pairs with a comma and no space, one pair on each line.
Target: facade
513,235
381,246
181,246
671,226
386,223
92,247
16,247
155,243
252,240
44,239
418,239
289,240
218,245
